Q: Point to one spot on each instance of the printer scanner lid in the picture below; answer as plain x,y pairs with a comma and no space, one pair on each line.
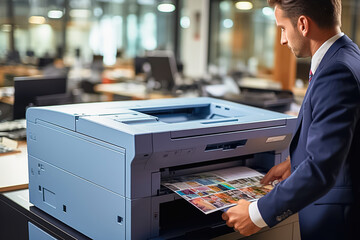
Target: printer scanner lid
180,116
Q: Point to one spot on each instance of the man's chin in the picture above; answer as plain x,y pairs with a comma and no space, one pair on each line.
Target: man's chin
298,55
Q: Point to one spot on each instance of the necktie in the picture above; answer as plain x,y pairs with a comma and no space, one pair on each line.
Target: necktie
310,75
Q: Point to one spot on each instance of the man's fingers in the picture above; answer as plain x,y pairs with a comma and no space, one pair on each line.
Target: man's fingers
225,216
267,178
230,224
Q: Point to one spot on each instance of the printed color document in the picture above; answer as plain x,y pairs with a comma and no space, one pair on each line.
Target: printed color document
215,190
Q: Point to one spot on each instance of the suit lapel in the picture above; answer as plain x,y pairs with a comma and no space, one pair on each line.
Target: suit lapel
329,54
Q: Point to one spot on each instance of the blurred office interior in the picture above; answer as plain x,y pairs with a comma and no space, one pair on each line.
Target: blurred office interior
55,52
220,48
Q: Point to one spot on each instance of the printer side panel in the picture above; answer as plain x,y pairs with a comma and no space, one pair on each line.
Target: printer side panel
86,207
83,156
78,180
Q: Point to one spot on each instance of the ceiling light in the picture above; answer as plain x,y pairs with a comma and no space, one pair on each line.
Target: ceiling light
145,2
185,22
37,20
80,13
166,7
244,5
56,14
98,12
267,11
228,23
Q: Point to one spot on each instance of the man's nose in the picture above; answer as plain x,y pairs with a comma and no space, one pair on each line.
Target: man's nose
283,40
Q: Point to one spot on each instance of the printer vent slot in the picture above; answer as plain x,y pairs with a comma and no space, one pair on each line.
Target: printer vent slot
225,146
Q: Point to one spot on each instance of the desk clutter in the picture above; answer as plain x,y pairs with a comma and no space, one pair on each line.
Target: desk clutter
14,129
8,146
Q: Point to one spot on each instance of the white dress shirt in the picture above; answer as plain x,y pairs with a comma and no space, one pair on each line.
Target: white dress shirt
254,212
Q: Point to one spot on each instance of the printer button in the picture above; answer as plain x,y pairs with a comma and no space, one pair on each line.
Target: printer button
167,154
187,151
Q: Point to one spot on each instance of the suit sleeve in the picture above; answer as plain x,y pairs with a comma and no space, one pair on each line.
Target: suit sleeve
334,102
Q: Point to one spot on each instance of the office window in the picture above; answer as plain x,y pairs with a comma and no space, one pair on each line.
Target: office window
351,19
5,28
148,31
242,37
113,28
34,31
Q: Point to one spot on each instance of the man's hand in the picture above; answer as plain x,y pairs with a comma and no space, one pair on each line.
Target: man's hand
238,218
278,172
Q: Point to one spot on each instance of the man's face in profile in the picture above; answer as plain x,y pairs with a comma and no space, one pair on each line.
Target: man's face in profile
290,34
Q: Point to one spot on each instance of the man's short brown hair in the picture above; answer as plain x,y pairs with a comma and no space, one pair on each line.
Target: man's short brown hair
325,13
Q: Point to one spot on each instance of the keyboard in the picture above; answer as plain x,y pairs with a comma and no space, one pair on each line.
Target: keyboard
13,125
15,129
5,149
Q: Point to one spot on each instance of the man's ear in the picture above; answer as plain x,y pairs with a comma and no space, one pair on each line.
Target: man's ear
303,25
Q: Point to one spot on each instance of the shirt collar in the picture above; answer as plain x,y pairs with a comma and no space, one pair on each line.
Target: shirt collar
319,54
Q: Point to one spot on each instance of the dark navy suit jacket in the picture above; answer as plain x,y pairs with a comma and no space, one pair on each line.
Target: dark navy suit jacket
324,186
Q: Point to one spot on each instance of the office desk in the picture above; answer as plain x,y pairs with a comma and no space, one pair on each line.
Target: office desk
7,73
117,75
7,95
135,91
17,216
14,170
17,213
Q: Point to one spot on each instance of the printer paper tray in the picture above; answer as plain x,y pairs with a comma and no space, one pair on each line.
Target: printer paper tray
180,220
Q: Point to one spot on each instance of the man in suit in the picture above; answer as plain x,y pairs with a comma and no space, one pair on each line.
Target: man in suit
319,180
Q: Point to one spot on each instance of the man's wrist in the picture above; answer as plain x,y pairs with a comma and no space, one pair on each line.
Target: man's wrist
255,215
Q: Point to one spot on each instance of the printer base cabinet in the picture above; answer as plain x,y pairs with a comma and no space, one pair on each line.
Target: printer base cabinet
287,230
20,222
36,233
189,224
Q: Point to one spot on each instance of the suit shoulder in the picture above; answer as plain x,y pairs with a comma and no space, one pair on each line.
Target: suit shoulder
348,56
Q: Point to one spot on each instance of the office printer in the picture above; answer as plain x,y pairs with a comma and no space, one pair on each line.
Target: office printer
98,167
270,99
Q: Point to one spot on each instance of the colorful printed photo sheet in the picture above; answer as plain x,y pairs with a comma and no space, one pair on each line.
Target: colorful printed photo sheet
215,190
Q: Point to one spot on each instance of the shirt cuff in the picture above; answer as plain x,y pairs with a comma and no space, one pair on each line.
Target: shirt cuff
255,215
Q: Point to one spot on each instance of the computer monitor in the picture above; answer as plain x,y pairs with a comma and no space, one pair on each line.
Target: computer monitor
163,68
28,89
45,61
139,64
